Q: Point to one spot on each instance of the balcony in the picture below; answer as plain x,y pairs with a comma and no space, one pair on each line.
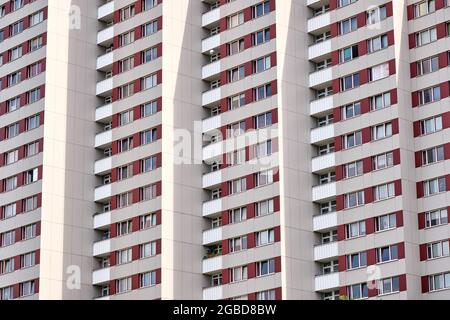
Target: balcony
103,165
102,220
319,22
105,10
211,124
327,282
311,2
102,248
210,17
324,192
213,293
322,134
325,222
320,77
101,276
212,151
210,43
322,163
211,69
326,251
105,36
103,139
212,179
321,105
212,264
212,207
319,49
211,96
103,112
212,236
103,192
105,61
104,86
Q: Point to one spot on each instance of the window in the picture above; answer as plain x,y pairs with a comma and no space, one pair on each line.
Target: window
266,295
379,72
149,136
263,149
238,185
239,274
433,155
36,43
149,82
10,184
236,101
16,5
14,78
148,4
27,288
431,125
31,149
428,65
350,82
434,186
126,38
127,13
382,131
264,178
351,110
436,218
261,9
356,229
261,37
12,131
124,256
354,199
386,254
380,101
123,285
236,157
348,25
33,122
15,53
348,53
238,244
149,109
383,161
34,69
353,139
147,279
236,47
353,169
8,238
147,250
148,193
425,37
238,215
7,266
389,285
16,28
263,92
28,260
265,267
264,208
36,18
124,199
30,204
125,144
149,164
358,291
124,228
150,55
378,43
329,237
149,28
148,221
28,232
429,95
328,207
262,64
343,3
357,260
31,176
34,95
126,64
235,20
438,249
11,157
424,8
265,237
376,15
386,222
13,104
126,90
236,129
263,120
7,293
384,191
439,281
236,74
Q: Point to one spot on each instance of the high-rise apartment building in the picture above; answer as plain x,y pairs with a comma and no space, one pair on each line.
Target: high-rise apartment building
230,149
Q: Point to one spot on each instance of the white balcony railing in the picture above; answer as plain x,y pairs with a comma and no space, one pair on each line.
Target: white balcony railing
102,220
323,162
105,60
210,17
327,282
320,77
321,105
102,248
103,112
322,133
319,22
105,10
326,251
213,293
212,123
103,138
212,179
212,151
325,191
104,86
211,43
101,276
105,35
103,165
211,207
103,192
211,69
212,236
212,264
325,221
211,96
319,49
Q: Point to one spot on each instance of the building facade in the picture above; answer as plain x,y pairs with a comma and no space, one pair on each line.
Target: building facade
231,149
